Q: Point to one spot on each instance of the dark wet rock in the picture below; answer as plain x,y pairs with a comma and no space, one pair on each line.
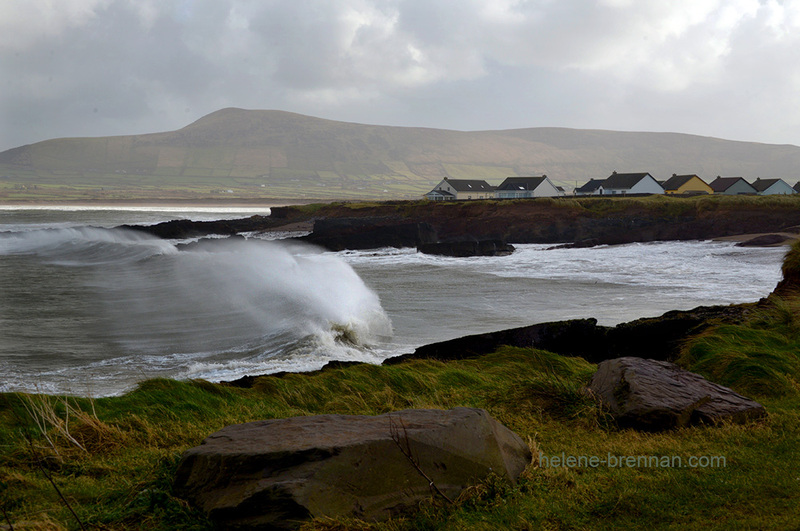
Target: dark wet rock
181,229
582,244
660,337
654,395
765,240
558,336
467,248
337,234
278,473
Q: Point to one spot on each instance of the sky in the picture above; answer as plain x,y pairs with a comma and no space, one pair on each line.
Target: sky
723,68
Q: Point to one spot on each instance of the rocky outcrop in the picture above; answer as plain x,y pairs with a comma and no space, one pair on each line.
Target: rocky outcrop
184,228
765,240
657,337
587,221
278,473
338,234
656,395
467,248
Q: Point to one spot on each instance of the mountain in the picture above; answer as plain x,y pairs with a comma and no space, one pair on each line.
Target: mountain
255,153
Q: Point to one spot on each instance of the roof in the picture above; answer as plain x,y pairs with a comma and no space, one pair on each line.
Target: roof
469,185
797,186
762,184
621,181
721,184
522,183
590,186
444,193
676,181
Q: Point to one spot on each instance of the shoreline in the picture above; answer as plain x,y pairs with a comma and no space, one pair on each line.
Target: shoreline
144,203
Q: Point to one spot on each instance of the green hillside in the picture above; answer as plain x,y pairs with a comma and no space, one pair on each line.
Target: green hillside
236,153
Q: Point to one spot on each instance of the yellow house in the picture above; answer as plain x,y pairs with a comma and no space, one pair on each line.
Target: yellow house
686,184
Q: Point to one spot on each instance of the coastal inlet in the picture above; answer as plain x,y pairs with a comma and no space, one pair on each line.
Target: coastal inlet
94,310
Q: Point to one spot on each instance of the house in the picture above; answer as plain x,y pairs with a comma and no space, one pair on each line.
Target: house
593,187
523,187
686,184
772,187
631,183
731,186
460,189
797,187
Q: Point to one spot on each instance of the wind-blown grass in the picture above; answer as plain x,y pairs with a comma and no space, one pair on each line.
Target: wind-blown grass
760,356
537,394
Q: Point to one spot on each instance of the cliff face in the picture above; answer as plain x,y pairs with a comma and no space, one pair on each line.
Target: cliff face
582,222
604,221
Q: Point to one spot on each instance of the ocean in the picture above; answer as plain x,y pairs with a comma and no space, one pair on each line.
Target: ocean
89,309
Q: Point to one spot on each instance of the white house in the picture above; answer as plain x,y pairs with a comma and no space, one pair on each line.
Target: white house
522,187
772,187
460,189
631,183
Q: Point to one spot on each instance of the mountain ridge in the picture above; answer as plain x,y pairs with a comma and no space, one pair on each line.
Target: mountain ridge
272,153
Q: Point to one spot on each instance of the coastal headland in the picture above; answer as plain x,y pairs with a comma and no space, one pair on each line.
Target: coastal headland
578,221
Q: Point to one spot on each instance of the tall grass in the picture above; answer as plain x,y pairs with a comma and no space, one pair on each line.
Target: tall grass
760,356
537,394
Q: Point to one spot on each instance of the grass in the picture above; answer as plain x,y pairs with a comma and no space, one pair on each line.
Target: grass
119,476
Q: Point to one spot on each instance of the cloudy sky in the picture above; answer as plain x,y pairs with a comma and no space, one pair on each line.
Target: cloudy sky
724,68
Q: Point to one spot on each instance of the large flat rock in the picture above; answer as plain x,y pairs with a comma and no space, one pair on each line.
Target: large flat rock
657,395
277,473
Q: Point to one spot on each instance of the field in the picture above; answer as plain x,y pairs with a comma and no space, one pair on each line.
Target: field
72,463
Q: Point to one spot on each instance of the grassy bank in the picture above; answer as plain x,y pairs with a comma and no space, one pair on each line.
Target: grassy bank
108,463
113,462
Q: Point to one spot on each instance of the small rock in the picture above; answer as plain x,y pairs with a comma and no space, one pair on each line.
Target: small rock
765,240
278,473
656,395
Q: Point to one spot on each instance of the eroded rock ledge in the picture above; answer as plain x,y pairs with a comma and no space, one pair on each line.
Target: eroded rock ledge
653,337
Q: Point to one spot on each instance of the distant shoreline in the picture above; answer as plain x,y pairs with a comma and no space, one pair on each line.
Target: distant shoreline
144,203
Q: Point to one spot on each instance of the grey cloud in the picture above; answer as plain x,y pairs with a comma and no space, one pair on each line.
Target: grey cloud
713,67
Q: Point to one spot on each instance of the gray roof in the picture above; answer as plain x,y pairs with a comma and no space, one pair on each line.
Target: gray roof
720,184
762,184
470,185
522,183
676,181
590,186
444,193
622,181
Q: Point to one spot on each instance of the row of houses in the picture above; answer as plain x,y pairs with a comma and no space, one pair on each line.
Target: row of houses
616,184
513,187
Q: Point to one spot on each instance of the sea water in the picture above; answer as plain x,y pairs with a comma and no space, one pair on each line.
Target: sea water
87,308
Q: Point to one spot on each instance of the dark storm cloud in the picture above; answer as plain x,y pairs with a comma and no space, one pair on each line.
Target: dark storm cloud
727,68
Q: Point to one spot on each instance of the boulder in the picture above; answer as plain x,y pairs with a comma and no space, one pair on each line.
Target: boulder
654,395
278,473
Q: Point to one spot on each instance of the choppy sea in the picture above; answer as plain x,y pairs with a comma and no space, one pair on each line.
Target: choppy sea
86,308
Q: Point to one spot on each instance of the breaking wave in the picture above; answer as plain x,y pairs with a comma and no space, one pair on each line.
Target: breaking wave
215,309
